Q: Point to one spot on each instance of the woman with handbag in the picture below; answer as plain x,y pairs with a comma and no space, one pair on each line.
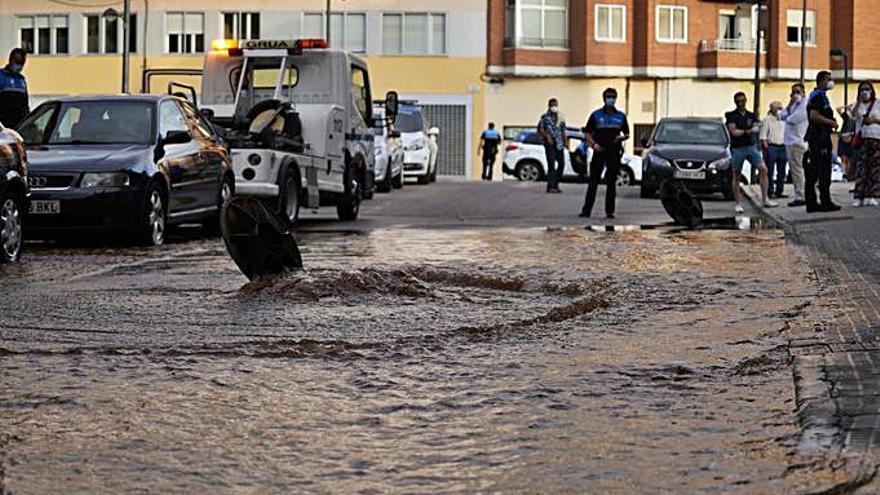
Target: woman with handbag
867,141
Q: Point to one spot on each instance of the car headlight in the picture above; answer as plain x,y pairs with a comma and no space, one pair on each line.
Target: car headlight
720,164
660,161
109,179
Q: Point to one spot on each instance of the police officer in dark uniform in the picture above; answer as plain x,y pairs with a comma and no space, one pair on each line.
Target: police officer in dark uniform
490,140
13,90
822,124
606,131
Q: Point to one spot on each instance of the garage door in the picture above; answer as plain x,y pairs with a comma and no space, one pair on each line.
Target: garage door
452,158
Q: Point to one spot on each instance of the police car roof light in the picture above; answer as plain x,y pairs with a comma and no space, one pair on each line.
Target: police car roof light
223,45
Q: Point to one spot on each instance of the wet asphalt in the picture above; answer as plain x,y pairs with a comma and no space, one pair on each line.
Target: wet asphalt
459,338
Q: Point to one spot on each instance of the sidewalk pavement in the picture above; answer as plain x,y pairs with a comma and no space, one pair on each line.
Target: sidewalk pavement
843,356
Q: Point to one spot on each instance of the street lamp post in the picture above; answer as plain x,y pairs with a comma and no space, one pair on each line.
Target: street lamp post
838,54
758,34
113,14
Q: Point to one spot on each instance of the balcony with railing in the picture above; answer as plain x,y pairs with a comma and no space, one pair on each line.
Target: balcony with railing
728,58
535,43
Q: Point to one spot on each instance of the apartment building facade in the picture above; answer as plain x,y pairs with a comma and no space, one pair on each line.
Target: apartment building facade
665,57
432,52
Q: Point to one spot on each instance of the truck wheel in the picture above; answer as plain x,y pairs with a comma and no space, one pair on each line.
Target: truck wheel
385,185
10,227
349,204
289,194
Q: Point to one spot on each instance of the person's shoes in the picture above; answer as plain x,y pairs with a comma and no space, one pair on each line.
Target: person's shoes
584,214
796,203
609,216
739,208
829,208
857,203
770,204
554,191
813,209
871,202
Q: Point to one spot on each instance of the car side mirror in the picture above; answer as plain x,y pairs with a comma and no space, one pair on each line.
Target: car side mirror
173,137
395,134
177,137
392,105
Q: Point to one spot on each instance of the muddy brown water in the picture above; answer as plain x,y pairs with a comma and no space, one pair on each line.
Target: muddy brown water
408,361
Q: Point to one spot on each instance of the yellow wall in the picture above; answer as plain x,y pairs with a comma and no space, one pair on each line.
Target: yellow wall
416,75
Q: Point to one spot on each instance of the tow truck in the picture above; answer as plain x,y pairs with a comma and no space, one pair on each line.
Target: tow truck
298,119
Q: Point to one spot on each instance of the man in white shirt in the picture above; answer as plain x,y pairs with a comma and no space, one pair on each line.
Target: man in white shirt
772,137
796,121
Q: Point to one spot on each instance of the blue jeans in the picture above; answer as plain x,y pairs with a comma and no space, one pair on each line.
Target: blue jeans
778,161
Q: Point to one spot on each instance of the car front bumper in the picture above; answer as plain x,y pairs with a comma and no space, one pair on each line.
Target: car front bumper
87,209
416,162
715,181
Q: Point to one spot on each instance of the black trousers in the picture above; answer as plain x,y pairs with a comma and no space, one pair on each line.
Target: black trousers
818,170
607,161
488,164
555,166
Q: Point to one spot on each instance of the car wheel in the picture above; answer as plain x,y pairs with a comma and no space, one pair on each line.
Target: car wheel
153,217
10,227
289,205
424,179
625,177
385,185
647,192
224,195
529,171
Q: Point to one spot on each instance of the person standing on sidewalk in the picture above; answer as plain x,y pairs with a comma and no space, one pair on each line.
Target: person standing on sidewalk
822,124
796,121
606,130
13,90
551,127
772,138
489,142
744,126
867,117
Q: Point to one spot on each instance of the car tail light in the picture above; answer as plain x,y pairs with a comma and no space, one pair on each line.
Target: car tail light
511,147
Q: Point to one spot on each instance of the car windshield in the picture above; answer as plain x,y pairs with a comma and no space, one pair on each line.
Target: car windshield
410,122
91,122
682,132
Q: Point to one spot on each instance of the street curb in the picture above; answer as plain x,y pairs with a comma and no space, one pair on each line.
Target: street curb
754,198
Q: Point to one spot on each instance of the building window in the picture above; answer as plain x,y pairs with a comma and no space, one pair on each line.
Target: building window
348,30
104,34
537,23
241,25
414,34
796,22
44,34
185,32
672,24
610,22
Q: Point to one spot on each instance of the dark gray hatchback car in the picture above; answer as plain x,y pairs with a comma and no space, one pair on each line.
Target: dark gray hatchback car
695,151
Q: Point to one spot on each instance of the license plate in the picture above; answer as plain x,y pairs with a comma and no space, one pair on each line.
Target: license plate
45,207
690,174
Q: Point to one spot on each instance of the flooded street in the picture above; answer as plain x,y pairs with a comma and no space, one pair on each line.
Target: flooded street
409,359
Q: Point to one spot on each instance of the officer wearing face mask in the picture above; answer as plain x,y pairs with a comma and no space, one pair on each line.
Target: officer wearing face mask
605,132
13,90
822,124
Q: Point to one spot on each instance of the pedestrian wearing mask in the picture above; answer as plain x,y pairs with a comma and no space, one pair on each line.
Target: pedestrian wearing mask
867,117
744,126
551,127
606,130
13,90
822,124
772,138
796,121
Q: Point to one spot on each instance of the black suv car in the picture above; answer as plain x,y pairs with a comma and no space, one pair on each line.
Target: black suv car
692,150
13,194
